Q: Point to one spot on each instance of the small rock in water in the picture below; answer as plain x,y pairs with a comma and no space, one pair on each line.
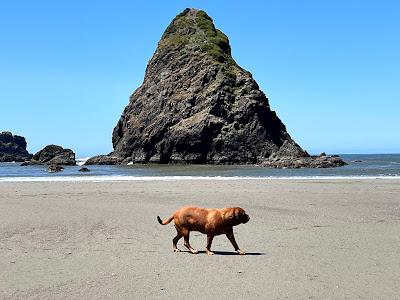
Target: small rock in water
54,169
83,169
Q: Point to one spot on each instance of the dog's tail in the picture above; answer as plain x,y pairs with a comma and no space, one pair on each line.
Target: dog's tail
165,222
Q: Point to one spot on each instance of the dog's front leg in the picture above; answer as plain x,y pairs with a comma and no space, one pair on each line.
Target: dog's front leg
209,242
231,238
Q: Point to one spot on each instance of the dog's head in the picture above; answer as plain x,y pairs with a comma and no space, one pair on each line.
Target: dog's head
237,216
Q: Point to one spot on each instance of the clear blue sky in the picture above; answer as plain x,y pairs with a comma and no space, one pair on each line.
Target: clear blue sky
331,69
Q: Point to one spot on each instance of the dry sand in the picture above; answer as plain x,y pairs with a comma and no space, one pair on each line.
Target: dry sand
307,239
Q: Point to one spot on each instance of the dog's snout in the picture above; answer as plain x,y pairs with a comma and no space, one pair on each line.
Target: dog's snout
246,218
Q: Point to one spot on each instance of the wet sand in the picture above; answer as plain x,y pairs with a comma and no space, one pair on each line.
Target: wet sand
307,239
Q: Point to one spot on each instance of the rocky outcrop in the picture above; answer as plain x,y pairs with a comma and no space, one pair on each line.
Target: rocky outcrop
53,155
54,169
321,161
103,160
196,105
13,148
84,169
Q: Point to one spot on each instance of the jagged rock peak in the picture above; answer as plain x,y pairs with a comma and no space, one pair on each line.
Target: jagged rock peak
194,29
196,105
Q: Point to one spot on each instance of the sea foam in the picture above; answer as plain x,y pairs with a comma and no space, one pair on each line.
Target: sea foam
81,161
181,178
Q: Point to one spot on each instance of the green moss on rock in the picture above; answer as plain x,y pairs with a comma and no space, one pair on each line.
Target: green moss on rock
196,27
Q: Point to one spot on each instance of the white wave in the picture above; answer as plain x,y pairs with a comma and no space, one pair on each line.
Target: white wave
181,178
81,161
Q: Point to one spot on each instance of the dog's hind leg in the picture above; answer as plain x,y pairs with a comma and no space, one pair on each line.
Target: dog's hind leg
187,244
175,241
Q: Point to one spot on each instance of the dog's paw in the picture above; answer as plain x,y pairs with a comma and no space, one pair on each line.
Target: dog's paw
210,253
177,250
240,252
194,251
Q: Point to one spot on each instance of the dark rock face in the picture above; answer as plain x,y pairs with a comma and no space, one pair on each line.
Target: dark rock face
13,148
103,160
196,105
53,155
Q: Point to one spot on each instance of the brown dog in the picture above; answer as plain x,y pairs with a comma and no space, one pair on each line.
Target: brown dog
209,221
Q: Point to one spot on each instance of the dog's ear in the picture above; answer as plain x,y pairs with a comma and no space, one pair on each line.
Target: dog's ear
237,213
230,215
234,214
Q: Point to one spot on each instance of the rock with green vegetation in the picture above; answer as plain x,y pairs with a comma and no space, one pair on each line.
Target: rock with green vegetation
196,105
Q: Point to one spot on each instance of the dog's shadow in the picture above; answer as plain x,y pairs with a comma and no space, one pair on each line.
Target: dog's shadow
227,253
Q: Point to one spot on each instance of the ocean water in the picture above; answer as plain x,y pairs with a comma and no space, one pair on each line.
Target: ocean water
371,166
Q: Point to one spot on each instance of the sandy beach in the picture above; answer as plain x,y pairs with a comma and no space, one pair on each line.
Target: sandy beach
307,239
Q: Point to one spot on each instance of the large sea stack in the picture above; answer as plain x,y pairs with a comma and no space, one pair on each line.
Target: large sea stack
13,148
197,105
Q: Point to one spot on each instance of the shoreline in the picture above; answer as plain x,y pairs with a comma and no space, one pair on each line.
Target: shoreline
119,178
